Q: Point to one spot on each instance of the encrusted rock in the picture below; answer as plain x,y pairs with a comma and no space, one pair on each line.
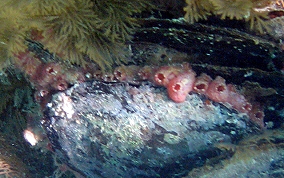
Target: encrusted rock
107,130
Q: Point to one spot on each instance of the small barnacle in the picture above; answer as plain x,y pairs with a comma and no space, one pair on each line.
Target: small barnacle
238,101
108,77
60,85
256,115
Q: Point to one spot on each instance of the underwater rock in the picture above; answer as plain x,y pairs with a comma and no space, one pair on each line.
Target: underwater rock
255,156
10,164
118,130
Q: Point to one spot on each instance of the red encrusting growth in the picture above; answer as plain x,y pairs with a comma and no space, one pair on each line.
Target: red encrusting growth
238,101
126,73
46,77
256,115
146,73
180,80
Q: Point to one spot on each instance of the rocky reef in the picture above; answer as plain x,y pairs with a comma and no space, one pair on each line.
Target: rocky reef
113,129
141,88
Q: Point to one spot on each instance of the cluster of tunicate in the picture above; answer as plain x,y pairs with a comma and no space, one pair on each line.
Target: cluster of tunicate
47,77
180,80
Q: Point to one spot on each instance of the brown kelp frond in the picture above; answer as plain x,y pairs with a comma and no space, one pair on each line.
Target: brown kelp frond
256,12
258,22
73,28
197,10
233,9
13,3
280,3
4,60
261,3
48,7
13,31
15,27
69,28
69,51
11,26
116,17
259,18
74,22
73,35
99,49
9,170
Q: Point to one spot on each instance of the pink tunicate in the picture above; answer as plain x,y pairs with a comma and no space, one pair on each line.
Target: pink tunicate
120,73
126,73
48,73
40,93
146,73
238,101
217,90
108,77
59,85
256,115
201,84
165,74
181,85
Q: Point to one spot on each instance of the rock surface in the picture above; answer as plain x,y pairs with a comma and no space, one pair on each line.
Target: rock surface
118,130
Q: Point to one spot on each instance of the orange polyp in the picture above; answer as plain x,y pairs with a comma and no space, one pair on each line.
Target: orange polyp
165,74
248,107
259,114
200,86
120,73
161,77
176,87
179,81
146,72
50,70
220,88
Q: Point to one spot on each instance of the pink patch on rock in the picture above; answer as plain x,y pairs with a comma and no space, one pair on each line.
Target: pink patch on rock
181,85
